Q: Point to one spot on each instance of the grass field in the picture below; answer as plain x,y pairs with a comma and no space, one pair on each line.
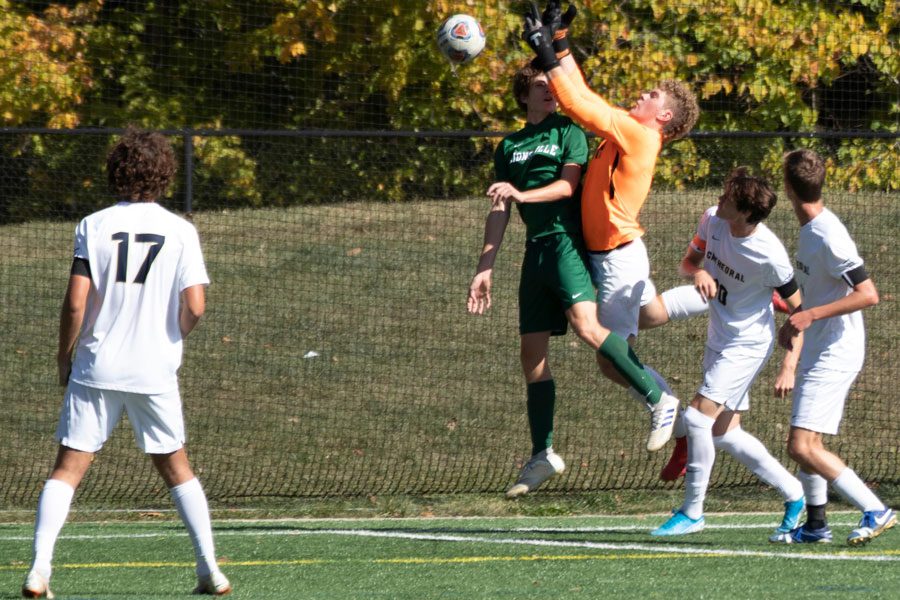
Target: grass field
490,558
336,359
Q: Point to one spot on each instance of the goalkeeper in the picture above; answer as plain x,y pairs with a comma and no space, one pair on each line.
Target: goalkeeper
618,176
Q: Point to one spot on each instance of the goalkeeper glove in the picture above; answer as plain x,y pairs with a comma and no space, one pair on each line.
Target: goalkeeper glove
559,24
540,39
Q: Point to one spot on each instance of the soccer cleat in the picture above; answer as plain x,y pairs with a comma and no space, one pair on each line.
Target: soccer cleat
214,584
802,535
872,524
677,465
36,586
791,517
540,468
662,419
680,524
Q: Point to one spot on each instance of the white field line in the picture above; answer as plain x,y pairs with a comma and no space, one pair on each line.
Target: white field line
438,537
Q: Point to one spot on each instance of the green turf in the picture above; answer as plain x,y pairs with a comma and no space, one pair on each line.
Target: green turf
585,557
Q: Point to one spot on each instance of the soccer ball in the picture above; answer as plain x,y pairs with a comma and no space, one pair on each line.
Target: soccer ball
460,38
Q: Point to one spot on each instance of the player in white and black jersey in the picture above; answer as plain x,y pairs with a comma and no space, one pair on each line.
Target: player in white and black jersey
136,290
736,262
835,289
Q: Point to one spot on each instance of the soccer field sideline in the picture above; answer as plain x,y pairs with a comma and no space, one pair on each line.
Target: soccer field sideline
457,557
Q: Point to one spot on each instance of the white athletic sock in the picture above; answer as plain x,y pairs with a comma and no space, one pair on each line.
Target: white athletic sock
684,302
701,457
815,487
660,381
679,429
52,510
191,502
850,486
751,453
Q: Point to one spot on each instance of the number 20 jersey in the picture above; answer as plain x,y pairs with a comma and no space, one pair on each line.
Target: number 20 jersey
746,270
141,257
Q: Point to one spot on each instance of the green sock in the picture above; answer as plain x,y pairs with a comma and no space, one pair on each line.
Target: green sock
541,401
617,351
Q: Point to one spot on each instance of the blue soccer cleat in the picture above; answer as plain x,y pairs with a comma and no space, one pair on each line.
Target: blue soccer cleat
802,535
791,519
680,524
871,525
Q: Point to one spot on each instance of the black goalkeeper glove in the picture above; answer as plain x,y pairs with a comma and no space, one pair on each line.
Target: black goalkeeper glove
559,23
539,37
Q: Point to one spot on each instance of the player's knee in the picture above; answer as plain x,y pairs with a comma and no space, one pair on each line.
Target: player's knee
800,450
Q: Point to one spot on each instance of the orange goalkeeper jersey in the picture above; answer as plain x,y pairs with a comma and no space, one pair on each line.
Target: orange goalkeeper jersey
618,176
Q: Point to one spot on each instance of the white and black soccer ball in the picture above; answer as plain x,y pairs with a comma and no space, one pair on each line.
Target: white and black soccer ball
460,38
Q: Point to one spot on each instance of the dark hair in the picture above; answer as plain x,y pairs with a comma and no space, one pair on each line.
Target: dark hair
140,166
685,110
751,194
522,81
804,171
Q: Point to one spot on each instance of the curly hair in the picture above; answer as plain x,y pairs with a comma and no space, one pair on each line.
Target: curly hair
685,110
804,172
751,194
522,81
140,166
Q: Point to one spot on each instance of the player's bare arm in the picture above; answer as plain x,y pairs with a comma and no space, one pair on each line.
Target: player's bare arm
560,189
193,305
70,320
864,294
479,299
691,268
784,381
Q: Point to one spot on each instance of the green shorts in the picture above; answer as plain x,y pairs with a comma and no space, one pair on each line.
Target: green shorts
554,278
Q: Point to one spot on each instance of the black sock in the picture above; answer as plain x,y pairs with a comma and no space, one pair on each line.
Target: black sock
815,516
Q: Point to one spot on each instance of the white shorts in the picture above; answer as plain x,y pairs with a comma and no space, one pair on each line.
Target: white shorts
622,279
89,416
728,376
819,399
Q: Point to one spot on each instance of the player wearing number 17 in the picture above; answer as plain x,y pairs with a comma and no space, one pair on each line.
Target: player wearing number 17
136,289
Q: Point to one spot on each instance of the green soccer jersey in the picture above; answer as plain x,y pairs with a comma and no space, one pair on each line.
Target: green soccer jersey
534,157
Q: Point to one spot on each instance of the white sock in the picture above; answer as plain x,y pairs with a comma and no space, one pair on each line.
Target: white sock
190,500
701,457
52,510
660,381
684,302
850,486
751,453
815,487
679,429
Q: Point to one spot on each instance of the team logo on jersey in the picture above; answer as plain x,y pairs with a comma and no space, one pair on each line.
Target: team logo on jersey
725,269
546,149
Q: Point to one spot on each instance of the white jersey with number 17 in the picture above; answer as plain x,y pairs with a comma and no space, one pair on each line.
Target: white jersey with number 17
141,258
746,270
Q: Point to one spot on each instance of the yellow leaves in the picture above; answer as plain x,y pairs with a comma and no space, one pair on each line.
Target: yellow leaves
292,51
64,120
42,64
714,86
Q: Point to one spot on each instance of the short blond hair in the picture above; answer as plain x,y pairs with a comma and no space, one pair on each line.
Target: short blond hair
685,110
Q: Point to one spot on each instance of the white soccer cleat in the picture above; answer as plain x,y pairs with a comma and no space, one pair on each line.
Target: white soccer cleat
214,584
536,471
662,421
36,586
873,523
